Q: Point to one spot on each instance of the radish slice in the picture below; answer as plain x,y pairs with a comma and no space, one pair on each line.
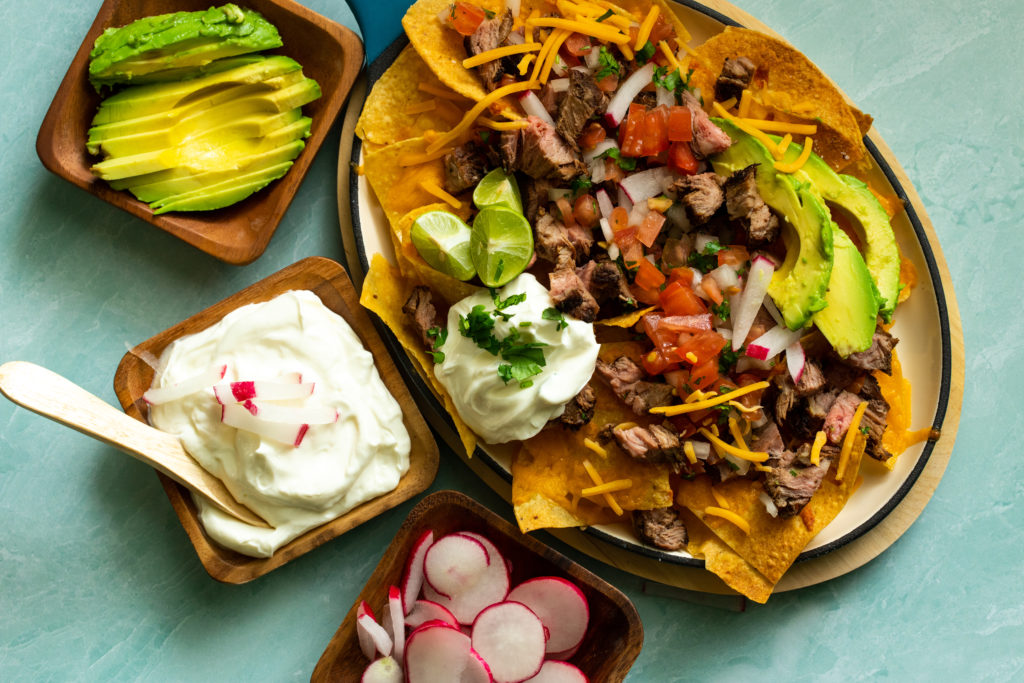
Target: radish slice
206,379
571,652
365,641
486,589
749,300
236,415
597,150
561,607
384,670
532,105
604,202
772,342
795,360
510,638
412,577
382,642
397,615
559,672
773,310
436,652
454,563
271,412
646,184
267,391
423,611
629,89
477,670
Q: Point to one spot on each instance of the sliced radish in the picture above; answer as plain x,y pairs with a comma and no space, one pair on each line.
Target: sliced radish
561,607
490,587
773,310
266,390
597,150
382,642
384,670
772,342
532,105
236,415
436,652
795,360
604,202
510,638
203,380
749,300
412,576
559,672
454,563
477,670
628,90
423,611
646,184
397,615
271,412
366,643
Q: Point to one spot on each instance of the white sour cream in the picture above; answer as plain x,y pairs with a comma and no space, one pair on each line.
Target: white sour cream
336,467
500,412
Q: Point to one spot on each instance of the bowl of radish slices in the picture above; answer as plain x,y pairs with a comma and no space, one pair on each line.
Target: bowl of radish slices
461,595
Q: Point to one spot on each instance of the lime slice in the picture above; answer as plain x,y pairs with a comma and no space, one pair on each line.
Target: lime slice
443,240
501,245
498,188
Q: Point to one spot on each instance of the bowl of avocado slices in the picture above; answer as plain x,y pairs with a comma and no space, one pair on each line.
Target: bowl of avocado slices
202,120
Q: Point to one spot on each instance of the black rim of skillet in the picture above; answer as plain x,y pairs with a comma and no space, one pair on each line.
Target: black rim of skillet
429,403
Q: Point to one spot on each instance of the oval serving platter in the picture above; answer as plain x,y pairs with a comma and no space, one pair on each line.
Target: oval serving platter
931,350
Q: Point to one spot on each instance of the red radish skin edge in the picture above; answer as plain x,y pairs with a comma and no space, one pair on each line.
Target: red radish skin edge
510,638
454,563
424,611
382,642
412,577
477,670
397,613
559,672
436,652
366,643
560,605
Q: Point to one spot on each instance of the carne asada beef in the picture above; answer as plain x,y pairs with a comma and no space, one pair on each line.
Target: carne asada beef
812,380
568,291
657,444
875,419
817,405
735,77
785,396
543,153
422,314
509,146
550,99
878,356
675,253
464,167
793,479
535,197
838,375
551,239
606,283
840,414
582,239
582,101
708,138
769,440
491,33
701,195
743,202
661,528
627,381
580,410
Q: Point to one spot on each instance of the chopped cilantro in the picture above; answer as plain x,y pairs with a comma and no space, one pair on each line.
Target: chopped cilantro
731,464
721,310
666,80
489,13
438,356
624,163
485,135
609,66
727,358
525,323
606,15
644,54
555,315
580,185
501,304
440,336
478,325
705,261
793,473
524,358
865,430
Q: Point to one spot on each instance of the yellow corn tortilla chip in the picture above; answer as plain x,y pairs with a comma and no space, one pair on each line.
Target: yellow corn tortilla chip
793,87
398,187
386,119
723,562
626,319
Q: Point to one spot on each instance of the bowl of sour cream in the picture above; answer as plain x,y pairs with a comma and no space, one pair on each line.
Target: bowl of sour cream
306,419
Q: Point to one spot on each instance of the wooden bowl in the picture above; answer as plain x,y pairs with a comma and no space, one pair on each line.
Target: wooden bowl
329,281
329,53
614,636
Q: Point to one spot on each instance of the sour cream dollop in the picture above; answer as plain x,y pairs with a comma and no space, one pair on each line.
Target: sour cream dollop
336,466
500,412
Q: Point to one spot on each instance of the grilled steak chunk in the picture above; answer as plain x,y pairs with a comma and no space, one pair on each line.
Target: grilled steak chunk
743,203
551,239
793,479
605,281
769,440
840,414
654,444
491,33
812,380
580,410
627,381
708,138
568,291
701,195
535,198
876,416
509,146
543,153
660,527
582,101
464,167
818,404
422,314
878,356
735,77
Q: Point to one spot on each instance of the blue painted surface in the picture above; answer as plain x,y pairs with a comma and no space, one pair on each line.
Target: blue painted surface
99,583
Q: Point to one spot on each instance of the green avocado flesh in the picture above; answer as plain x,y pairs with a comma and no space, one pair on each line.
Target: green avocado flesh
177,45
798,286
848,319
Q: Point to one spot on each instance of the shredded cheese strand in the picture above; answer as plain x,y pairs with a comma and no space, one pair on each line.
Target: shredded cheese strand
587,28
819,441
742,408
608,498
501,125
752,456
542,56
737,435
719,498
615,8
744,108
670,411
783,146
851,434
528,30
498,53
795,166
763,138
729,103
433,188
645,27
627,52
691,454
596,447
553,55
608,487
778,126
665,50
478,109
417,159
524,64
730,516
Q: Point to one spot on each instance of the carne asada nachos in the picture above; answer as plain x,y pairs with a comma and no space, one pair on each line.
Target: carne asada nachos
739,288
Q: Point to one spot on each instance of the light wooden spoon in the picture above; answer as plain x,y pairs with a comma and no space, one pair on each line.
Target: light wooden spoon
47,393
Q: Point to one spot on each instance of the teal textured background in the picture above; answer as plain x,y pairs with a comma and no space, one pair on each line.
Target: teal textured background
99,583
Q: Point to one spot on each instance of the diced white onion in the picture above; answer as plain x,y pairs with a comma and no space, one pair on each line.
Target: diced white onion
747,363
559,84
676,215
725,332
556,193
613,251
702,449
606,230
559,66
639,213
664,97
628,90
597,171
725,276
593,58
701,240
741,465
769,504
597,150
516,37
646,184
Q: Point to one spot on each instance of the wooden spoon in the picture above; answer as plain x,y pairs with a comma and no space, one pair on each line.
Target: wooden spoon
52,396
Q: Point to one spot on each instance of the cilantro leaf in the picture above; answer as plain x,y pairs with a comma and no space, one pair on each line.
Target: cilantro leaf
439,335
525,360
722,309
644,54
666,80
478,325
489,13
606,15
625,164
609,66
705,261
580,185
727,358
555,315
438,356
865,430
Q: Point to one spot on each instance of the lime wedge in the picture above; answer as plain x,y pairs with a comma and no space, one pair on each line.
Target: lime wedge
443,240
501,245
498,188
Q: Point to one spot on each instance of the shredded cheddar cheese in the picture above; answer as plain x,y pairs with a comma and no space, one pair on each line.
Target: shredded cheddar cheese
691,455
670,57
819,441
805,154
778,126
762,137
524,64
627,52
742,408
501,125
692,357
596,447
608,487
478,109
783,145
417,159
851,434
699,395
645,27
719,498
434,189
608,498
498,53
744,109
729,103
615,8
752,456
762,468
528,30
588,28
737,435
670,411
545,72
730,516
542,56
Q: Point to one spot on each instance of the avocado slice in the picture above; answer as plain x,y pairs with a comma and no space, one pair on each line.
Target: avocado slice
798,286
222,194
848,320
176,41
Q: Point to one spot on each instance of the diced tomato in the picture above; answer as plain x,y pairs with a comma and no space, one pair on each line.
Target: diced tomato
705,345
585,211
680,125
609,83
591,135
662,338
631,132
704,375
648,297
648,276
565,208
656,362
680,299
619,221
577,44
675,324
649,229
735,255
465,18
683,275
654,131
662,30
711,288
681,159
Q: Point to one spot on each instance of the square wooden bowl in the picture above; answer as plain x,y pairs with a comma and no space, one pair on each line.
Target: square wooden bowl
329,53
614,637
329,281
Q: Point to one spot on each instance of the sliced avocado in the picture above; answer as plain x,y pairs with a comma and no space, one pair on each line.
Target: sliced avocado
848,321
171,42
222,194
868,217
798,286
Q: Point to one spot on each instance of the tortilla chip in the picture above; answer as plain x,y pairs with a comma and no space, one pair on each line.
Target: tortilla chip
626,319
723,562
794,88
415,268
385,118
398,188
